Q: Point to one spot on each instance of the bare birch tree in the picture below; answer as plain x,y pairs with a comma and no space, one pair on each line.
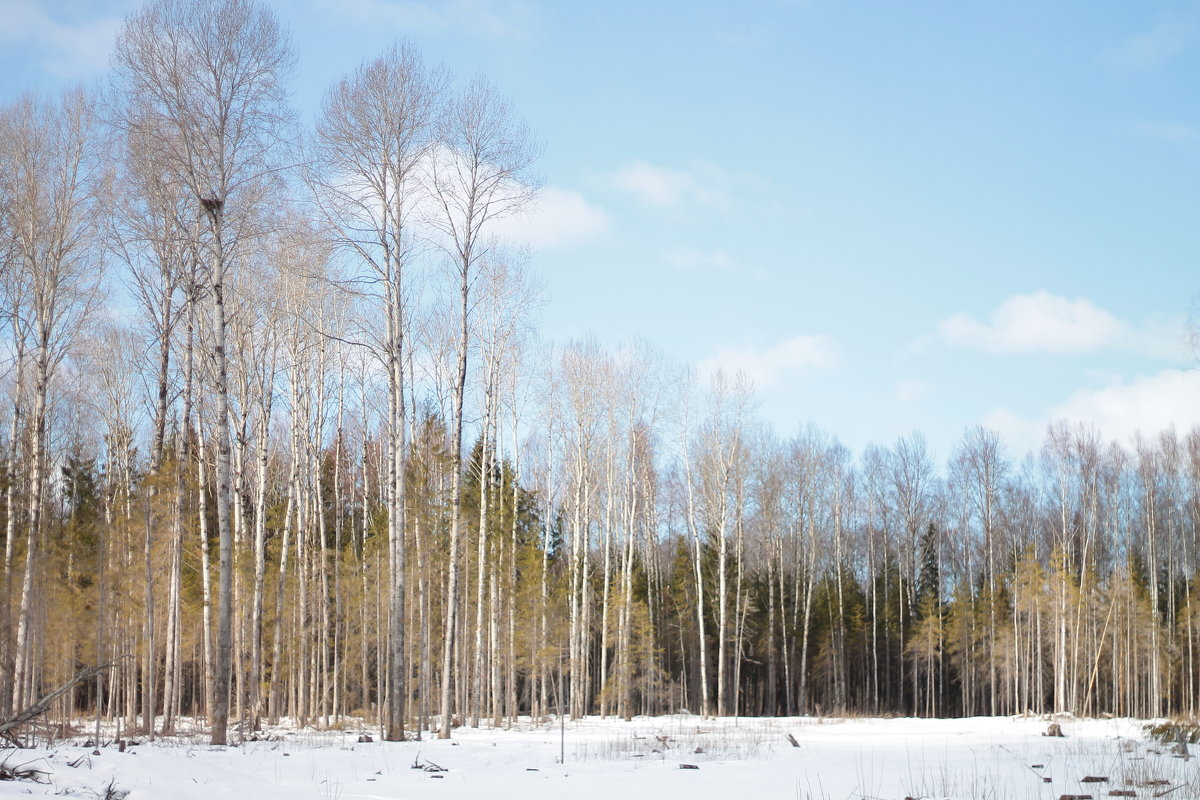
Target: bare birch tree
375,133
480,173
49,154
201,82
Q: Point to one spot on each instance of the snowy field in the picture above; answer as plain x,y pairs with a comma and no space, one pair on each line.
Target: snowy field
1003,758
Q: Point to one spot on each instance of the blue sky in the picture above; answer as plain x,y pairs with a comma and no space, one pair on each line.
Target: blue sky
893,216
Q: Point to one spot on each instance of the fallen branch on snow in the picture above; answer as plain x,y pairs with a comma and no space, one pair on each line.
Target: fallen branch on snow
34,711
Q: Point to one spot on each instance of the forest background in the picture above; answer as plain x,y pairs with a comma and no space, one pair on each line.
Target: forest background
280,438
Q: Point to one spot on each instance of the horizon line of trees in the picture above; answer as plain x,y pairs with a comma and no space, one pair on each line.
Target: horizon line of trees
278,439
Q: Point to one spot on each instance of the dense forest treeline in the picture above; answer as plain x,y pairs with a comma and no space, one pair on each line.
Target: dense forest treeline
278,439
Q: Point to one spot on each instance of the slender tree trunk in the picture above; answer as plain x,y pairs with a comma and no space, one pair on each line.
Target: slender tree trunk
173,669
10,531
260,562
698,576
481,566
205,577
397,675
809,580
459,391
223,667
23,668
150,668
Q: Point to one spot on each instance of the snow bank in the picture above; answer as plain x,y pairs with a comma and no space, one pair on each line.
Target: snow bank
832,758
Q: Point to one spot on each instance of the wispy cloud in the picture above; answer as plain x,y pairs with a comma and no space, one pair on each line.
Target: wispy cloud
685,259
1146,404
666,188
1034,323
911,390
1154,47
560,218
495,19
1173,132
767,366
753,38
703,185
72,50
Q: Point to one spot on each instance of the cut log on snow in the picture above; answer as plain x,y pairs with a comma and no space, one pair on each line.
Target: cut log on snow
793,741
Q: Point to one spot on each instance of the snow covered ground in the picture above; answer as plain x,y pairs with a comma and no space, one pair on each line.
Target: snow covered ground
1003,758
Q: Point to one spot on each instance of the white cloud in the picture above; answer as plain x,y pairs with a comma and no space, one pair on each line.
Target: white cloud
765,367
560,218
495,19
68,50
667,188
1147,404
1035,323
